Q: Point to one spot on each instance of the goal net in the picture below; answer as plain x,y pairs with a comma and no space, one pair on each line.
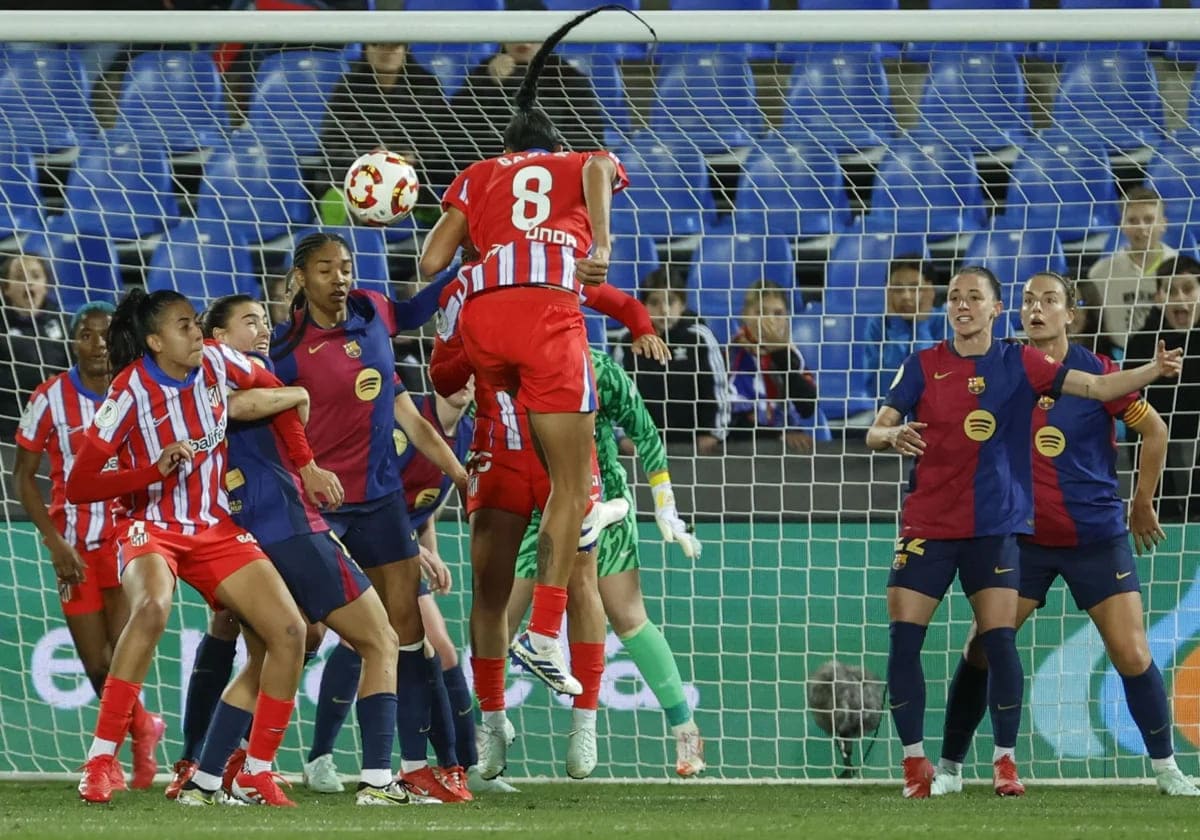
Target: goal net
793,193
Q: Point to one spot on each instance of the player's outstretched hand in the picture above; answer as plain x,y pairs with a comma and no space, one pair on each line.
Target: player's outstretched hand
323,488
1170,362
652,347
68,566
907,439
175,454
435,571
1143,524
593,269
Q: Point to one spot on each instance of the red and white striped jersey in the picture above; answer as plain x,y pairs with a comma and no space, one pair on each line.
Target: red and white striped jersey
147,410
55,422
527,217
500,422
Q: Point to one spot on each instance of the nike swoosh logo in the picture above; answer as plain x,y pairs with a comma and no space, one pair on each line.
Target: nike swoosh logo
1007,708
1122,576
425,730
317,347
942,375
1160,729
899,705
341,701
465,712
1000,571
161,420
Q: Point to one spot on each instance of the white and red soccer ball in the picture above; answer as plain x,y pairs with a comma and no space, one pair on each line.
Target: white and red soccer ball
380,188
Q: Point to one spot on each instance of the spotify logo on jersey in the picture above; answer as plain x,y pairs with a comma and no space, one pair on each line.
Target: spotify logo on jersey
979,425
368,384
1050,441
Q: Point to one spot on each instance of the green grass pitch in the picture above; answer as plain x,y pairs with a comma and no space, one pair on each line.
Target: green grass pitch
30,811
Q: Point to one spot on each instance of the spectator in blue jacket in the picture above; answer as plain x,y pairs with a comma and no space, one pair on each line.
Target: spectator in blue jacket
910,323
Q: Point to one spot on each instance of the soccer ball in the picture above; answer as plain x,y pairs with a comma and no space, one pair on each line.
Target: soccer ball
380,188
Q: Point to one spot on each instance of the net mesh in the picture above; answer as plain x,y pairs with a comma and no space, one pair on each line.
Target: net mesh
823,177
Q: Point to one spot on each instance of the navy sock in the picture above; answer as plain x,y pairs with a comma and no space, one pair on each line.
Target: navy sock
339,685
1146,697
377,728
229,724
906,680
441,718
1006,684
413,701
966,705
210,674
462,705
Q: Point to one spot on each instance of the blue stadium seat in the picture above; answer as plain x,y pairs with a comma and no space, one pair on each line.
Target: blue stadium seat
923,51
174,98
857,271
1060,184
886,50
603,68
291,93
926,186
1174,173
85,268
369,249
756,51
201,261
633,257
706,100
726,264
1112,96
1014,254
256,191
572,49
842,385
43,99
975,98
1188,51
795,191
119,189
20,196
668,194
839,94
451,63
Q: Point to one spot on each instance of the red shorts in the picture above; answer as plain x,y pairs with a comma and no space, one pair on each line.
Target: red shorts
532,340
100,573
203,560
513,480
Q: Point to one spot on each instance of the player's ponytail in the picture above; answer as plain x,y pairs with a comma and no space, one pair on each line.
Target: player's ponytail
530,126
135,317
217,316
298,309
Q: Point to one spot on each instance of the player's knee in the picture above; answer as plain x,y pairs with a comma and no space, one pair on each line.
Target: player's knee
285,636
149,615
381,643
1130,657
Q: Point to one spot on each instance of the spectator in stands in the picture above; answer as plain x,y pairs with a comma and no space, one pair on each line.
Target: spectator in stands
386,101
911,322
1125,279
772,389
1086,328
34,345
483,106
1177,323
689,397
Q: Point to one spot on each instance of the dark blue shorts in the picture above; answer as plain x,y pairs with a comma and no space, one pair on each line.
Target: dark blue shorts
929,566
318,573
375,533
1093,572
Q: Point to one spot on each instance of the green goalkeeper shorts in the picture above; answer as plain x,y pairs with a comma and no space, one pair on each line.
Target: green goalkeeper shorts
618,549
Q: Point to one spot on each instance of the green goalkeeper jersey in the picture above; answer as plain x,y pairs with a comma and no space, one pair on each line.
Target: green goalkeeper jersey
621,405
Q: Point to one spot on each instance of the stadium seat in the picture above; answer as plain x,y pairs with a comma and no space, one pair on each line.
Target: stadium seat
255,190
369,248
43,99
839,94
755,51
633,258
726,264
923,51
451,63
1174,173
668,194
842,386
120,189
174,98
1187,51
1060,184
857,271
573,48
85,268
886,49
795,191
291,93
926,186
1014,254
20,196
1111,95
975,98
201,261
603,68
705,99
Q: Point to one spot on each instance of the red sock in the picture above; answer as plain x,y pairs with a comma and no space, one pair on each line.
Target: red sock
587,665
549,604
271,718
117,702
141,718
488,675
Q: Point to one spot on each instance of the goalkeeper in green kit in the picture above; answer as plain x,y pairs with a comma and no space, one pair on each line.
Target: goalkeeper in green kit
620,587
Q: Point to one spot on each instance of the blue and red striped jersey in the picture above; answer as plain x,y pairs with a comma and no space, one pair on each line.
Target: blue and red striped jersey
974,479
426,486
1075,491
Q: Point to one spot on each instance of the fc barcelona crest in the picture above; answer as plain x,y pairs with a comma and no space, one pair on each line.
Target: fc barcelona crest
1046,403
352,349
976,385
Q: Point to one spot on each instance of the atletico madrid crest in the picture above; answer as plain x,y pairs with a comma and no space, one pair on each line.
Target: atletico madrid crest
976,385
352,349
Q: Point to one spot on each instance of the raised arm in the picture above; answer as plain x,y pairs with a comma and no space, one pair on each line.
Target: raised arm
599,173
448,235
1167,363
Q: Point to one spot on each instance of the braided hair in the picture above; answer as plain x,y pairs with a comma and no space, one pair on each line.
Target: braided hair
531,127
301,254
135,318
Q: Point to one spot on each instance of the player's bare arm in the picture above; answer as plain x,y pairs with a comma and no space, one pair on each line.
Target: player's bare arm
1143,521
598,175
68,567
1166,364
890,432
449,233
429,443
259,403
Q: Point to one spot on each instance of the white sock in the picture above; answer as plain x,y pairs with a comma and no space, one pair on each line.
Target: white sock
954,768
377,778
542,643
244,745
206,781
584,718
495,719
1000,752
101,747
254,766
916,750
681,728
1161,764
412,766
